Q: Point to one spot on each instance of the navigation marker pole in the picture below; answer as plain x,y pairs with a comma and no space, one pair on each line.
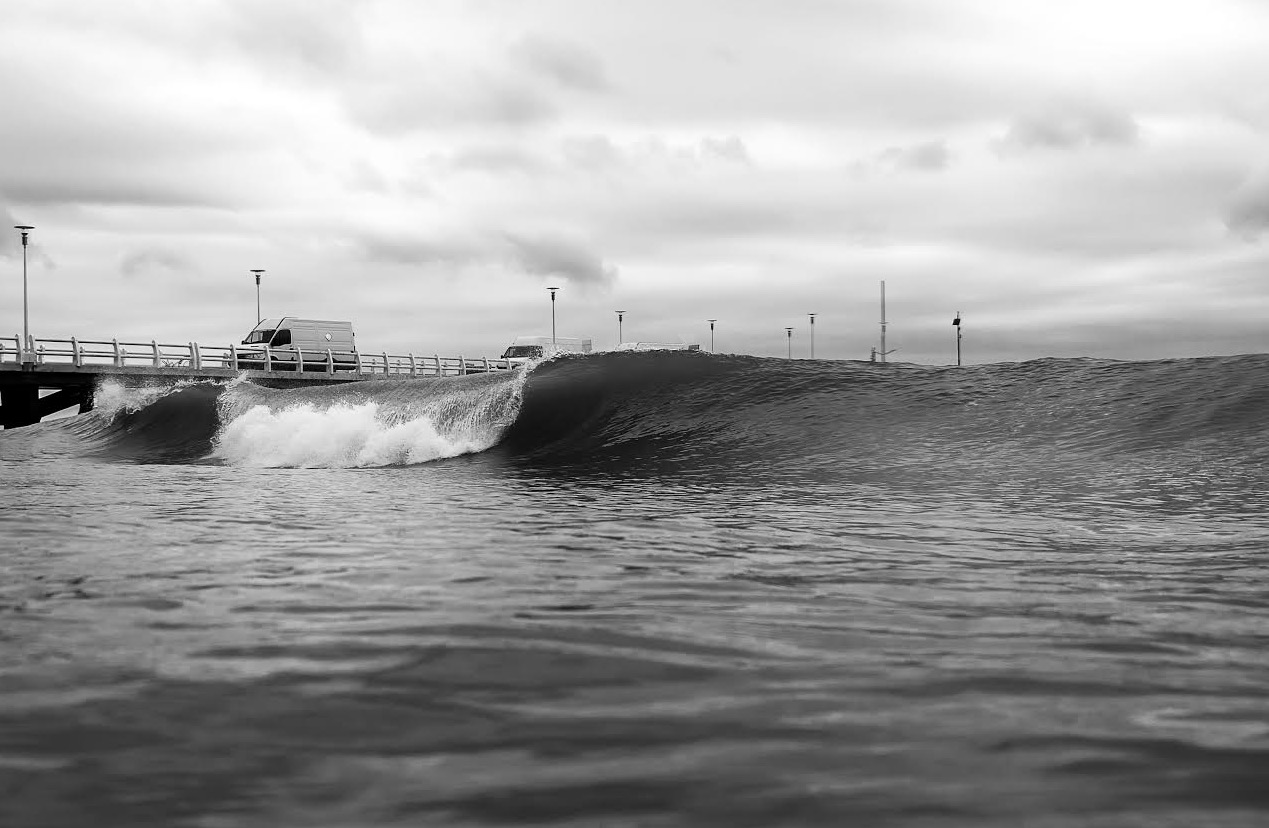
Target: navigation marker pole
711,334
552,289
812,334
789,331
24,350
957,323
620,315
258,271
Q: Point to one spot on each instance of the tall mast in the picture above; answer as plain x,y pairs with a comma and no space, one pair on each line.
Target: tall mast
883,320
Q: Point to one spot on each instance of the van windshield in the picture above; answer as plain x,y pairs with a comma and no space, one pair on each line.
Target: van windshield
259,336
522,351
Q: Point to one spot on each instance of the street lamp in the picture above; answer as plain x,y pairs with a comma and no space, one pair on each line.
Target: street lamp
552,289
789,331
957,323
620,314
258,271
711,334
25,348
812,334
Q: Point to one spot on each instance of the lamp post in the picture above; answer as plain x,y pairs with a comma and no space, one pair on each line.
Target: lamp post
258,271
25,349
812,334
789,332
552,289
711,334
620,315
957,324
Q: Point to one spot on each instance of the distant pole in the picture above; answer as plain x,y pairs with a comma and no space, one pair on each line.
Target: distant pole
812,334
552,289
711,334
883,320
789,333
620,315
258,271
25,348
957,322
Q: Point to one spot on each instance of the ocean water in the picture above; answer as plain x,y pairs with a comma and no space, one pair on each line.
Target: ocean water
646,589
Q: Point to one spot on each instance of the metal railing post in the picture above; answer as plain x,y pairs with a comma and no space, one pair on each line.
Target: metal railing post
330,362
154,343
233,357
118,353
268,358
77,358
195,356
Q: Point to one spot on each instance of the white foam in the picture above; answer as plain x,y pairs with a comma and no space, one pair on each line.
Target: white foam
340,436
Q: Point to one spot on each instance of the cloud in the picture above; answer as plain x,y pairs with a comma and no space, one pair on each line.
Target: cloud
414,98
154,261
929,156
399,248
568,259
495,159
1069,125
1248,210
565,63
315,36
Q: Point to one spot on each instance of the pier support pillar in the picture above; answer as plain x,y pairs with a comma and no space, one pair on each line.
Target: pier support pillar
19,406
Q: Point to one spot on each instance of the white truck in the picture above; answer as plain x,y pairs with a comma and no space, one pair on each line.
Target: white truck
524,348
282,344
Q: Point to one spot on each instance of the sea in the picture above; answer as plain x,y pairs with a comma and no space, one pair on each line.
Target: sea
645,589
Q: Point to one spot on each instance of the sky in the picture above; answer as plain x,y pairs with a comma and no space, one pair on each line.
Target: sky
1085,178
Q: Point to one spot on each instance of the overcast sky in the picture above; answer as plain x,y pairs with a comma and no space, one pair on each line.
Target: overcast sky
1078,178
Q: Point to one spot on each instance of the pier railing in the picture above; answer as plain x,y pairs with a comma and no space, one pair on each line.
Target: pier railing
192,355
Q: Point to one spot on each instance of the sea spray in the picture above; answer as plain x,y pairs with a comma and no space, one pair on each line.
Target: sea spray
373,423
341,436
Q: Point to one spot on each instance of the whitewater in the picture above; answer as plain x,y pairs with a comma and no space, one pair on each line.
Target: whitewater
645,589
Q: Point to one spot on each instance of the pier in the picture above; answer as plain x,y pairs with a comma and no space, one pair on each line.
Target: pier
51,375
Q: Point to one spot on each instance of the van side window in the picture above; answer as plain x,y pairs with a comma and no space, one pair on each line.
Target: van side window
282,337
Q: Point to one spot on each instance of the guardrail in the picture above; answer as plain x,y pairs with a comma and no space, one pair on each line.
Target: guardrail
113,353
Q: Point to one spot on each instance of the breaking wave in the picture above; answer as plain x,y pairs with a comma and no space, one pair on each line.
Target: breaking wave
667,411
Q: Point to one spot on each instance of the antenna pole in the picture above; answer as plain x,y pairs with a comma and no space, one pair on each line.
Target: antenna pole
957,323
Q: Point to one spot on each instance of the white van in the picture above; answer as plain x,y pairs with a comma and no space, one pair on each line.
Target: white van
524,348
656,346
289,338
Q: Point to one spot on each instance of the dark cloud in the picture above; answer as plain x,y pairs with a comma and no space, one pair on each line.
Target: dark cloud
415,100
555,256
929,156
1248,210
591,152
318,36
565,63
730,148
105,187
1070,125
498,159
154,261
417,249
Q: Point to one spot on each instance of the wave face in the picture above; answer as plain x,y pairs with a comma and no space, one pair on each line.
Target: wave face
666,412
